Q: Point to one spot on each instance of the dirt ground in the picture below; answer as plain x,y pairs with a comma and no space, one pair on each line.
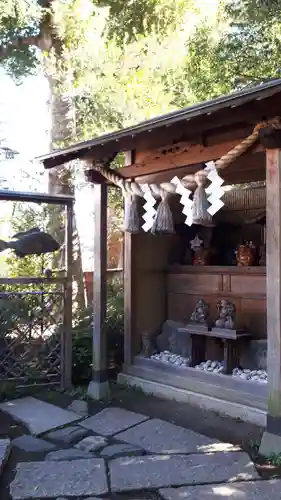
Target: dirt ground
208,423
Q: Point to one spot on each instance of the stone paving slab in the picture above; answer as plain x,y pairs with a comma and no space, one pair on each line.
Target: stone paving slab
258,490
5,450
92,443
71,454
121,450
159,471
32,444
77,478
68,434
38,416
157,436
110,421
80,407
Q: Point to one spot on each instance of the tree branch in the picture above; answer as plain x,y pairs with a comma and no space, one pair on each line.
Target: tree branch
18,43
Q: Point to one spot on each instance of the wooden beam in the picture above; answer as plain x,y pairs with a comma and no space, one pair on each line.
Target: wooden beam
181,155
248,167
211,138
95,177
99,387
271,441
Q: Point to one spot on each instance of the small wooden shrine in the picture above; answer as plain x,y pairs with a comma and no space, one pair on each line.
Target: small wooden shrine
197,228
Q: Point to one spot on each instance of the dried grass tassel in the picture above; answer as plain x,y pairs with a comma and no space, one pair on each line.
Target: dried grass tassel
200,214
163,222
131,216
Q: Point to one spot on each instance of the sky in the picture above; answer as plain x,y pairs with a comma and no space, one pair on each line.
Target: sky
25,127
25,114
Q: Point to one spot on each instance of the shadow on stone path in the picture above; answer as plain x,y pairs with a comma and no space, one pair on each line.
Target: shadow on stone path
121,453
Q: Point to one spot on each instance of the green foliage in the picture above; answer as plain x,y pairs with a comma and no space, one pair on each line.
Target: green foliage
275,459
19,20
254,446
254,10
57,27
243,50
129,19
115,89
82,337
26,216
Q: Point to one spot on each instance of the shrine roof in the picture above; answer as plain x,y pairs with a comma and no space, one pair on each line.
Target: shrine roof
127,138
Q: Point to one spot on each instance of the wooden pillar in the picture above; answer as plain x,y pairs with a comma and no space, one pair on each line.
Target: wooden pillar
271,441
66,358
128,301
99,387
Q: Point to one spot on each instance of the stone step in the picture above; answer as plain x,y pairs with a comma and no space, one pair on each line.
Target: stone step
158,436
39,417
5,450
153,472
111,420
255,490
53,479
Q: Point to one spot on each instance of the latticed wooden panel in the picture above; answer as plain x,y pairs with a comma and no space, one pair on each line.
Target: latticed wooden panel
31,333
249,198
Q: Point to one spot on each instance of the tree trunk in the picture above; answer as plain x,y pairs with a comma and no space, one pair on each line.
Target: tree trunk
60,180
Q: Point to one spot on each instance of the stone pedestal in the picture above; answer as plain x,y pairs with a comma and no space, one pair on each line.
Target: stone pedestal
98,390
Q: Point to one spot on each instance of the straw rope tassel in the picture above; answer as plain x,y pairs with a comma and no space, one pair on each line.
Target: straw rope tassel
200,214
163,222
131,216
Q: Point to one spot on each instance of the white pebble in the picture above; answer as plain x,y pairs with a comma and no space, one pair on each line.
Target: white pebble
215,366
173,359
259,376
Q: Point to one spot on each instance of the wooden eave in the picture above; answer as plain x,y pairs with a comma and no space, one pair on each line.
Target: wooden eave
200,129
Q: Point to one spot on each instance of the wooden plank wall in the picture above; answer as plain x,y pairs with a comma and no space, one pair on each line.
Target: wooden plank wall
245,287
149,287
